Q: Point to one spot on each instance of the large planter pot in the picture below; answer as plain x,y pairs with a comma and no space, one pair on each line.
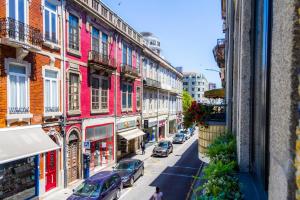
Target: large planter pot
208,133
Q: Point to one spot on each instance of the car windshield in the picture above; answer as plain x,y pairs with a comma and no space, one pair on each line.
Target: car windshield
163,144
88,189
183,132
125,166
179,135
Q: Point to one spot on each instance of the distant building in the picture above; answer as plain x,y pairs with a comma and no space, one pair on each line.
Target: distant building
195,84
180,69
212,86
152,42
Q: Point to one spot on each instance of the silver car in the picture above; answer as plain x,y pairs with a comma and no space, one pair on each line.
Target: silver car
163,148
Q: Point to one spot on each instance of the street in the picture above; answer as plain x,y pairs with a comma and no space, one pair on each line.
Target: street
173,174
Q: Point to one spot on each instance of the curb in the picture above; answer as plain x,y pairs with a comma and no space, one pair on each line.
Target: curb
188,196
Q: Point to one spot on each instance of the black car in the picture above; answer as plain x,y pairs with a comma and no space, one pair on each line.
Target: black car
104,185
129,170
163,148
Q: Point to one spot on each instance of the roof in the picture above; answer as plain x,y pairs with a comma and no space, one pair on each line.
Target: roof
101,176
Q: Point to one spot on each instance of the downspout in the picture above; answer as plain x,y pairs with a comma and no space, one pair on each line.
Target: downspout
115,96
157,131
63,54
229,63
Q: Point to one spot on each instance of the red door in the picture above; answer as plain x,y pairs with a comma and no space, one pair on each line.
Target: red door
50,170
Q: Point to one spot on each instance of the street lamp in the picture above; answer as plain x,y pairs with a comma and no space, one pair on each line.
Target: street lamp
215,70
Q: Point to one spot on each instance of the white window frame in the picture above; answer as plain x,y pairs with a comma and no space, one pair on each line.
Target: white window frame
74,112
50,68
100,110
70,50
54,2
12,61
127,109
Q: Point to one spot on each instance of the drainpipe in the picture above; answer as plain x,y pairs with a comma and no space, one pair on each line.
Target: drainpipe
63,53
229,63
157,131
115,97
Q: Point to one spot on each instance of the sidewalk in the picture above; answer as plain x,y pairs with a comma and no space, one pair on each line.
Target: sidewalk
65,193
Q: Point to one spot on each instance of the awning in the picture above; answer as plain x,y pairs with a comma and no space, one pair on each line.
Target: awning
24,142
129,135
215,93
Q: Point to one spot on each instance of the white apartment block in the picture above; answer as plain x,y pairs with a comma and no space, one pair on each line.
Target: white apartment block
196,84
162,97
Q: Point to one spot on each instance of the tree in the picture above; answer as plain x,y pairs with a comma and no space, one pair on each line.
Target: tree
186,100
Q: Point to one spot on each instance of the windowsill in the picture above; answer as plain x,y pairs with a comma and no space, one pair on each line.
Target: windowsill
51,45
99,111
74,52
127,110
74,112
20,117
52,114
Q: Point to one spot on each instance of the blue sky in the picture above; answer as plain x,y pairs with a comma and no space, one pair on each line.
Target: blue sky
188,29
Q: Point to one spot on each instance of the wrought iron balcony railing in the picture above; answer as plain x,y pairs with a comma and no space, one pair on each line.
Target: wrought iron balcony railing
96,57
51,37
52,109
19,31
219,53
18,110
152,83
129,71
217,113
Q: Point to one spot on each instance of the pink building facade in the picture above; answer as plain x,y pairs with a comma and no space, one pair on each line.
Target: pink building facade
102,88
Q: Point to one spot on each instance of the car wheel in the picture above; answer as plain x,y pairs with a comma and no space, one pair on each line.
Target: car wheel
131,181
142,174
118,195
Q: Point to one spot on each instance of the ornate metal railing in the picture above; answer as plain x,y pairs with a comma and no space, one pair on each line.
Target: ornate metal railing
152,83
52,109
100,58
127,69
18,110
20,31
51,37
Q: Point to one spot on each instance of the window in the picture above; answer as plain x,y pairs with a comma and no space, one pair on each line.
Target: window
198,89
199,95
138,98
193,83
50,22
124,54
51,91
18,89
185,83
129,56
151,101
126,96
95,40
99,94
138,62
193,89
17,12
193,95
73,32
105,46
74,92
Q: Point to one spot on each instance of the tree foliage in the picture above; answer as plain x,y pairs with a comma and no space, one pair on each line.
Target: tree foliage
186,100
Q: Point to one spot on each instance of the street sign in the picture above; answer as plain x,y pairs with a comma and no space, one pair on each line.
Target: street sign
87,144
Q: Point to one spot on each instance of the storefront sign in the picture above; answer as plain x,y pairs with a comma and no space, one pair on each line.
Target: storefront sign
87,144
99,132
127,124
162,123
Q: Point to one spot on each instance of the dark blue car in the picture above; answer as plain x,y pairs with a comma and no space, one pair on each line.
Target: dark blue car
104,185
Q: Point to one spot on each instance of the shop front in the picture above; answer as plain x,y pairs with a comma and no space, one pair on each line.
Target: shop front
101,145
129,137
172,126
150,129
162,129
20,161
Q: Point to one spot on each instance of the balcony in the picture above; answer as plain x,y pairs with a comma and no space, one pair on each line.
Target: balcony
52,112
129,72
18,110
18,34
219,53
18,113
148,82
100,61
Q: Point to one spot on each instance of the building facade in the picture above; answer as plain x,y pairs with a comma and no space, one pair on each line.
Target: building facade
162,97
262,92
71,93
196,84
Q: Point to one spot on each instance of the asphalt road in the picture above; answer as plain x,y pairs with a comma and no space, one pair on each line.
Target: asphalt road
173,174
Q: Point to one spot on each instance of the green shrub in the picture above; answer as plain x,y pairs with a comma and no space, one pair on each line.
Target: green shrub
220,180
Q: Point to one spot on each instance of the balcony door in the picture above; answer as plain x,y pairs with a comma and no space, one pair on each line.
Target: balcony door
17,19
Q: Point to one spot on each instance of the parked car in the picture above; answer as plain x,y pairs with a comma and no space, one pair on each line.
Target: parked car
179,138
102,186
129,170
186,134
192,129
163,148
